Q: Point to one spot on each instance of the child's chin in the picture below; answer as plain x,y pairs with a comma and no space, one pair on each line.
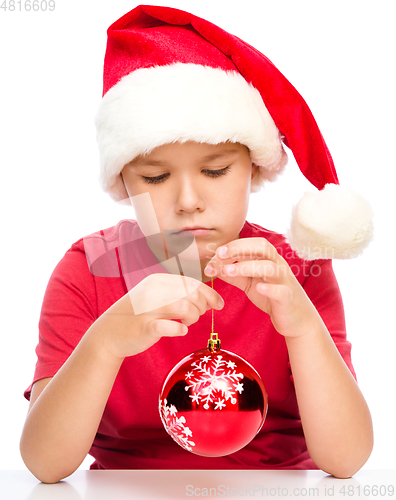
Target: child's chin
191,256
194,253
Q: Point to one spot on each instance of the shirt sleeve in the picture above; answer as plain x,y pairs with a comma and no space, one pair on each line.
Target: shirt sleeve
69,308
322,288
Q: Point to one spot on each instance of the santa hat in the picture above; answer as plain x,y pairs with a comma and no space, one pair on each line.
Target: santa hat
171,76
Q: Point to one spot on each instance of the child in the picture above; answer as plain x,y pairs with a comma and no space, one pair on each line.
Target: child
191,121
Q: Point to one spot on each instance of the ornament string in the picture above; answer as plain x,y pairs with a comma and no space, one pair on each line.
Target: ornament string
214,343
212,331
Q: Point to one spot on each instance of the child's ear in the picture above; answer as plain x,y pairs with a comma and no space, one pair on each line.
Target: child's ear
255,170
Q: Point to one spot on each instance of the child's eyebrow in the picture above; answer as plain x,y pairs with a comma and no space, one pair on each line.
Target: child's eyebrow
143,162
219,155
147,162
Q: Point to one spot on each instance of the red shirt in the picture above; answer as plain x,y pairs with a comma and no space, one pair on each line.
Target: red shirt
131,435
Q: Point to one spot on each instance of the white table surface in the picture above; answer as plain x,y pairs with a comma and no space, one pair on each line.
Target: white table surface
174,485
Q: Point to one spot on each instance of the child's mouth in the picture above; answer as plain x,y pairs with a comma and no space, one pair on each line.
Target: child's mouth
195,231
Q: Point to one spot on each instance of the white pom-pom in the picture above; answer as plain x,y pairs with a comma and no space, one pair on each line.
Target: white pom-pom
335,223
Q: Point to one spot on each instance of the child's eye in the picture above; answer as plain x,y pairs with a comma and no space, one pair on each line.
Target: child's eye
217,173
155,180
161,178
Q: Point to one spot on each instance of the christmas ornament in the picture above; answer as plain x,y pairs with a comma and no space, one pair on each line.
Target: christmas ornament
213,402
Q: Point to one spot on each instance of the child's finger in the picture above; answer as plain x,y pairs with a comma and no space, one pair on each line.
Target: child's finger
248,248
244,249
267,270
213,298
188,309
279,293
195,290
205,298
157,291
166,328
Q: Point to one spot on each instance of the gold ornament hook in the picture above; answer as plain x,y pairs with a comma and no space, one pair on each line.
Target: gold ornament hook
214,343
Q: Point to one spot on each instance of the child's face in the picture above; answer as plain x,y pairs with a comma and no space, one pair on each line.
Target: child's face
202,188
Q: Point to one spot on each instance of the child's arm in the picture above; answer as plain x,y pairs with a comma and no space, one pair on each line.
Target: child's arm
335,417
65,411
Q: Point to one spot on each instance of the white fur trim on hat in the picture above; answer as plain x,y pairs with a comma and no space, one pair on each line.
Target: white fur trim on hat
334,223
183,102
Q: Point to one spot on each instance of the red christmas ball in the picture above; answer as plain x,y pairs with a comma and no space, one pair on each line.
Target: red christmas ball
213,403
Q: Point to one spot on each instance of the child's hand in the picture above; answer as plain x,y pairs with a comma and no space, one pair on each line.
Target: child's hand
144,315
255,266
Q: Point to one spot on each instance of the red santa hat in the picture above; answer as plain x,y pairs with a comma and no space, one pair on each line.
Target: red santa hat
171,76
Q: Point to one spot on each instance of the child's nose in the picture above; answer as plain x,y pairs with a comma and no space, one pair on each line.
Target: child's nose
189,197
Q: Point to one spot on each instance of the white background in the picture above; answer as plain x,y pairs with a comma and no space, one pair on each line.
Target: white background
339,54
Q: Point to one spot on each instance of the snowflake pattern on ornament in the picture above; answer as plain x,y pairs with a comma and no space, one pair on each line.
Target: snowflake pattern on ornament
214,380
175,425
